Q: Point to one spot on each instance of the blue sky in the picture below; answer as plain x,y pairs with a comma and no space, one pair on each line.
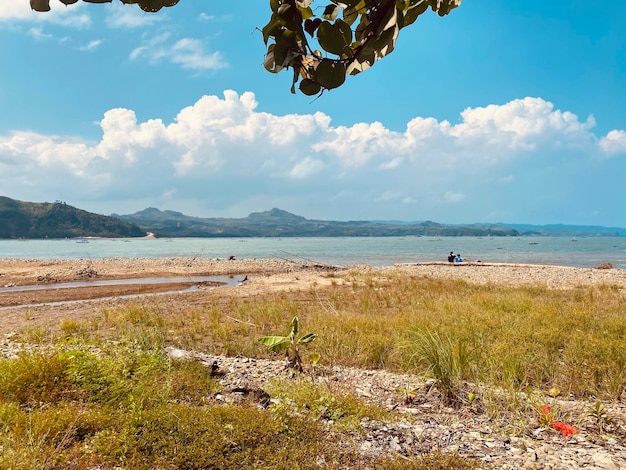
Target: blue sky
500,112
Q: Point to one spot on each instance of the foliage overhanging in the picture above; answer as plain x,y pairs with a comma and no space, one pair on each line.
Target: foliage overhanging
322,45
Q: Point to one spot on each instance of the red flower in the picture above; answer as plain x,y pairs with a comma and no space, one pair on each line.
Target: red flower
564,429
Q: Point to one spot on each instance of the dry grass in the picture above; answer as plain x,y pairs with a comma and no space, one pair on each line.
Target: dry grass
105,395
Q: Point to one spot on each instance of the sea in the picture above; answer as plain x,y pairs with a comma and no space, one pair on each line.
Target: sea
585,252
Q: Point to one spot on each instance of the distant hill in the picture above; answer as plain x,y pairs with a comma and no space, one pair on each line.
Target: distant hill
280,223
560,230
20,219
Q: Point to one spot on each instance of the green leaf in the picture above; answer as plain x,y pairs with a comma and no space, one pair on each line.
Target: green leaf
40,5
334,37
330,12
315,358
386,43
294,328
310,26
291,16
330,74
296,77
412,13
275,343
271,28
306,13
307,338
309,87
273,62
352,12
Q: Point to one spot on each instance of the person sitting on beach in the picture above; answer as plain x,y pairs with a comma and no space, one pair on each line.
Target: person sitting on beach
458,258
451,257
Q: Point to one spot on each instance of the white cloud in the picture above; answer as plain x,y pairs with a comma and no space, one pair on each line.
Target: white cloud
204,17
388,196
130,16
306,168
355,146
188,52
449,196
20,10
92,45
614,142
224,146
191,55
38,34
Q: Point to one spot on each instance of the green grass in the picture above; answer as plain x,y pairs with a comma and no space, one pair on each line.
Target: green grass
101,392
122,406
515,338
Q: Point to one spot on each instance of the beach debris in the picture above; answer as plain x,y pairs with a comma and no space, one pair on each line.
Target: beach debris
88,271
604,266
48,277
254,394
563,428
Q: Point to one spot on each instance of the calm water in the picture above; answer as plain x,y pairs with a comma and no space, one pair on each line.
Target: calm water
377,251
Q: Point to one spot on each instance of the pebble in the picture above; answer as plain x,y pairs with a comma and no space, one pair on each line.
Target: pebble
417,429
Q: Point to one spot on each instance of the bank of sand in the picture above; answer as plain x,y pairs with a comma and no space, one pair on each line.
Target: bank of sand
19,272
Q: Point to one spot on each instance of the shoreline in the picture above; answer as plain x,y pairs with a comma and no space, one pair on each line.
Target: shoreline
19,272
49,272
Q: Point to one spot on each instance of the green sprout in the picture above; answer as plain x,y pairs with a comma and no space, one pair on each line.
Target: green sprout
291,345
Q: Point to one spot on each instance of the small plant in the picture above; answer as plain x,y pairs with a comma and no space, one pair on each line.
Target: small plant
445,362
291,345
599,413
410,394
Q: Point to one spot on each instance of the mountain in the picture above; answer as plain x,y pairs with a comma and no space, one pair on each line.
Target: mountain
20,219
560,230
280,223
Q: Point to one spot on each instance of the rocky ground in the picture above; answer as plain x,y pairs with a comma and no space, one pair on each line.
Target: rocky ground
421,421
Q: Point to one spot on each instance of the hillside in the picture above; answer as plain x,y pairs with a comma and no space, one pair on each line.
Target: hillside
280,223
20,219
560,230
